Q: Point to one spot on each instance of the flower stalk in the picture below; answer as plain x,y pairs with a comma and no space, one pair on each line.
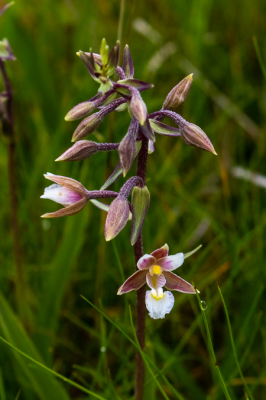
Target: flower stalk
141,309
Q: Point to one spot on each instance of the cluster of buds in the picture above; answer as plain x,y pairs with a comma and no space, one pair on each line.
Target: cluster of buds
119,95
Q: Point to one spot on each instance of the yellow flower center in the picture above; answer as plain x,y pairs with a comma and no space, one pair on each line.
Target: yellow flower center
156,269
157,294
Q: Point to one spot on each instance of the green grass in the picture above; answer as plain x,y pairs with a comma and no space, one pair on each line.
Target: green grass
65,258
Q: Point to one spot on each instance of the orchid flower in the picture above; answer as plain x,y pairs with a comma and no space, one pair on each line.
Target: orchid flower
66,191
155,270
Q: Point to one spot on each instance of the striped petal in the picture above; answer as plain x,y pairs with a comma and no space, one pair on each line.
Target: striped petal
134,282
158,308
161,252
174,282
170,263
155,281
146,261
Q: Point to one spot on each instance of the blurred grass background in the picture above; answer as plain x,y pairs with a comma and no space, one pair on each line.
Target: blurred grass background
195,199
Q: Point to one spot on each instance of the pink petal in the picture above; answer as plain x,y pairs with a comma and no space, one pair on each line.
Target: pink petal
145,262
174,282
61,195
155,281
134,282
158,308
170,263
161,252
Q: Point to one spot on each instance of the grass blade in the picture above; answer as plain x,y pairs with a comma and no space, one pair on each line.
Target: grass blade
83,389
233,346
211,347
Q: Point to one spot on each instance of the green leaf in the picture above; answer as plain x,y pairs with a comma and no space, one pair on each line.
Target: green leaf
163,129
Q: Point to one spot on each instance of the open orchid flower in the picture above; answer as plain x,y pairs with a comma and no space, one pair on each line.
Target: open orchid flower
66,191
155,270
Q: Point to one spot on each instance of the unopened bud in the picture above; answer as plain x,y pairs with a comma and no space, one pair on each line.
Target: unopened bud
80,111
127,152
79,151
88,125
128,66
178,94
193,135
138,107
117,218
140,200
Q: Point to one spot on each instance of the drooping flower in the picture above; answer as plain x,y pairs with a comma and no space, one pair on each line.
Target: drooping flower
66,191
155,270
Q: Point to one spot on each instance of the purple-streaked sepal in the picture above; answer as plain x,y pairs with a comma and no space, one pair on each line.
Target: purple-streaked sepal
117,218
147,131
178,94
161,252
128,66
170,263
174,282
140,201
88,60
159,306
134,282
139,85
113,59
164,129
193,135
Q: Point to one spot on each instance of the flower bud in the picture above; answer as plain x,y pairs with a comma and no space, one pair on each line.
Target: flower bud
178,94
140,201
127,152
128,66
79,151
138,107
80,111
193,135
88,125
117,218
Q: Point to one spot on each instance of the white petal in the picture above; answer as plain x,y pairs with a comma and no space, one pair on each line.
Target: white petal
61,195
170,263
158,308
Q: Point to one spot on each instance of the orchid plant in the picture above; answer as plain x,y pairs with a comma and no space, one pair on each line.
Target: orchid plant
119,95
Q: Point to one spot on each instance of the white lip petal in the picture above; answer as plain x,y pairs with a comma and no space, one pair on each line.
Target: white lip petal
158,308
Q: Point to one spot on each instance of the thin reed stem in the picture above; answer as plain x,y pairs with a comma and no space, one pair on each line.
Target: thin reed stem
141,309
8,130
